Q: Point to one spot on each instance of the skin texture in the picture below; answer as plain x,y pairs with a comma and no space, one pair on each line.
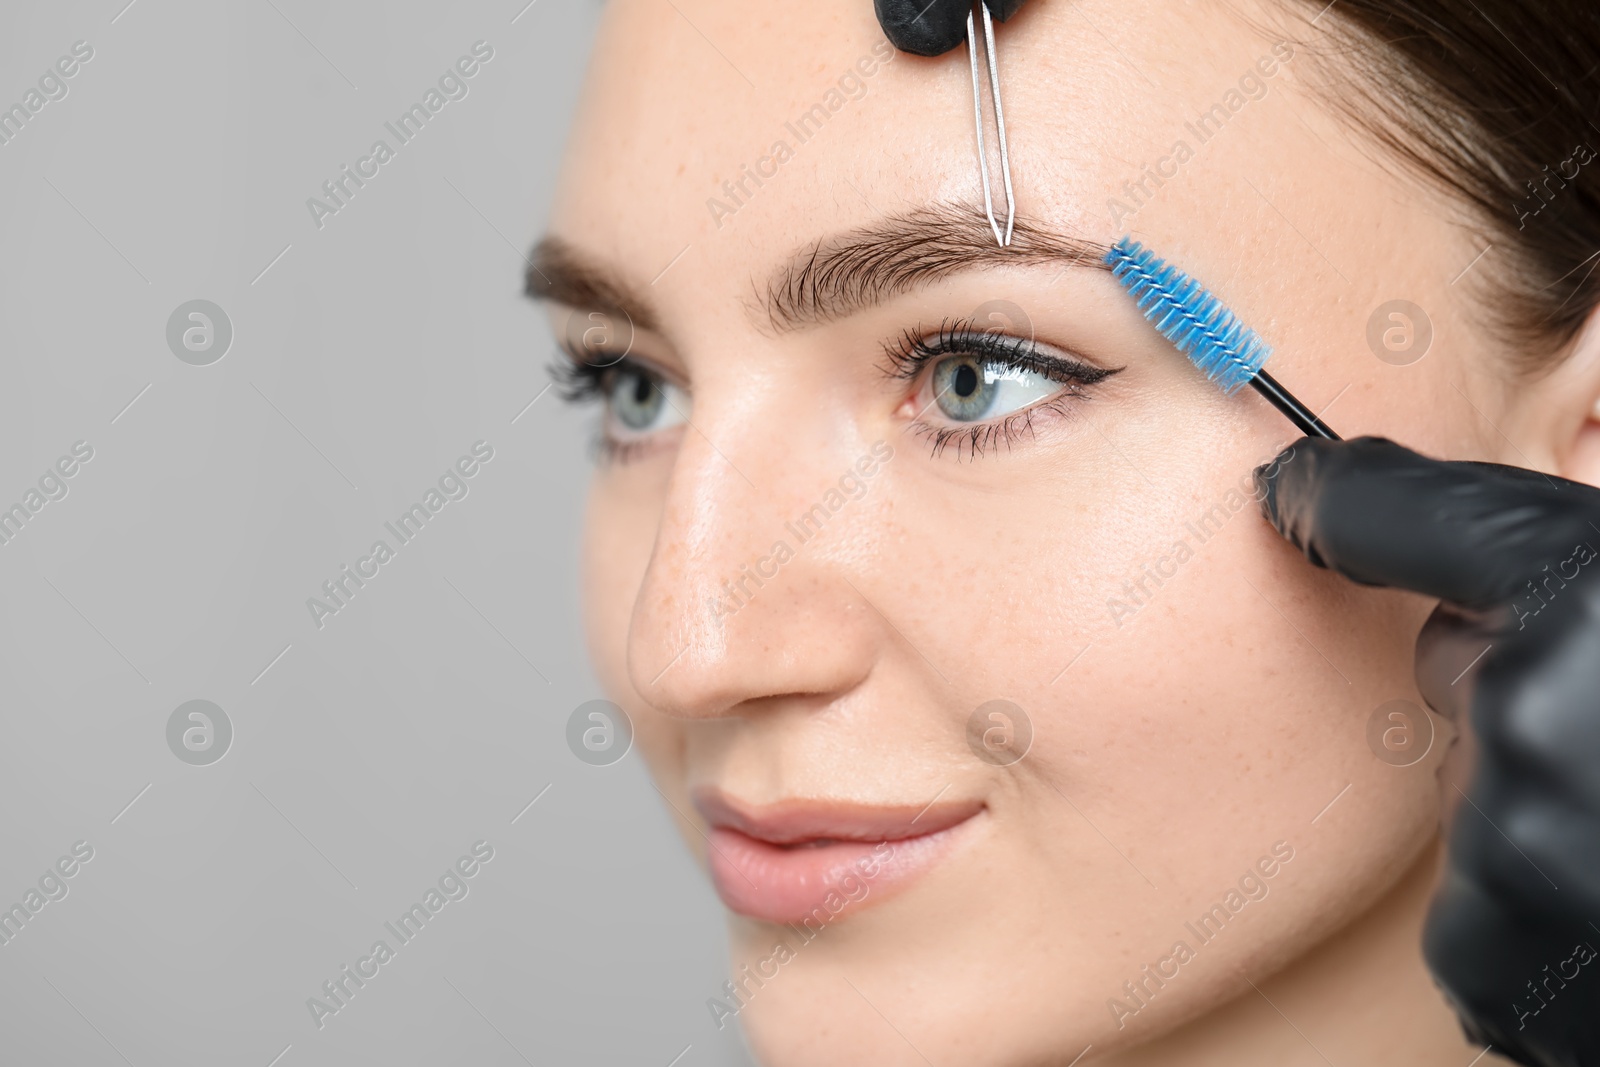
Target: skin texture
1175,741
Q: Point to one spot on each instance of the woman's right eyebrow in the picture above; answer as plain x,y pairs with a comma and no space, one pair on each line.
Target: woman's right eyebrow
845,273
833,276
560,273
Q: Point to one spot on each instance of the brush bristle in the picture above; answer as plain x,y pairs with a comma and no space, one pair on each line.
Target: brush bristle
1226,350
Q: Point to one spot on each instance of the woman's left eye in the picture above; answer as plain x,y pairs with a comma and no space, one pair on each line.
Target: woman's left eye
970,388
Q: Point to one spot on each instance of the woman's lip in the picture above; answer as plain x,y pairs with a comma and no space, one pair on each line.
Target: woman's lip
799,821
812,863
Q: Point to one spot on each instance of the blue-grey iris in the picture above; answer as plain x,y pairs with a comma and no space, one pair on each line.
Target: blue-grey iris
964,388
636,399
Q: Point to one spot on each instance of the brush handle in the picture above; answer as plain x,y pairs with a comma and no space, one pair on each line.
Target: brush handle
1296,412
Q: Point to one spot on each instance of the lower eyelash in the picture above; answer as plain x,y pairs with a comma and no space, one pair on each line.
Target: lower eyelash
608,451
583,383
973,441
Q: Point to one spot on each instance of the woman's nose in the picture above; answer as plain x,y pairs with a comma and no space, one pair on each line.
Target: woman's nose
752,587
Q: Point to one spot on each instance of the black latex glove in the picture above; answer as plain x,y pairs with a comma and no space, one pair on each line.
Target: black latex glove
932,27
1512,556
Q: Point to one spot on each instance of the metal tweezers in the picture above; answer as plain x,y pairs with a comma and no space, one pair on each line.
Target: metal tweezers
999,119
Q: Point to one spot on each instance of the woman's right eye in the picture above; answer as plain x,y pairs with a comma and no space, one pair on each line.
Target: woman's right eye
639,404
970,388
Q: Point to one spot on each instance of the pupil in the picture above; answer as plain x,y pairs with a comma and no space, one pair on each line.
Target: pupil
641,389
966,382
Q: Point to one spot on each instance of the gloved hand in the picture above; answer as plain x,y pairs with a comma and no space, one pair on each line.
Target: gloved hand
1512,557
932,27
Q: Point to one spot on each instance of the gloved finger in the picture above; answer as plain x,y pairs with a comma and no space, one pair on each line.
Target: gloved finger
1532,786
923,27
1474,534
933,27
1472,942
1450,652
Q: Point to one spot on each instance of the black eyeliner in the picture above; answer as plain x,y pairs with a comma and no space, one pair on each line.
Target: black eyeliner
917,349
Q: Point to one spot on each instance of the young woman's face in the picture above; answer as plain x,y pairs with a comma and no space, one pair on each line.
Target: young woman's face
893,473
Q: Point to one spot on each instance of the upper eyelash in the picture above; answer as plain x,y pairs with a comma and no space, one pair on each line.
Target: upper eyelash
580,382
916,350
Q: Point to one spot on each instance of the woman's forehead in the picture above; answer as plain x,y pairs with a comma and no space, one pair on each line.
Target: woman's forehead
745,138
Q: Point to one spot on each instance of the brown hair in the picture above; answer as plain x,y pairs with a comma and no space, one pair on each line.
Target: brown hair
1494,101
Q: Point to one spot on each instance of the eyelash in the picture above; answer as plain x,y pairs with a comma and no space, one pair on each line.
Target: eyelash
915,351
580,382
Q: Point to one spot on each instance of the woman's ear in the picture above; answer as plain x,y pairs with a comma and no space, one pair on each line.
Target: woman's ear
1583,463
1571,397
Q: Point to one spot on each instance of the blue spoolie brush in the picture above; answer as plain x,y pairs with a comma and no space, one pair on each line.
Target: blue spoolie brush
1226,350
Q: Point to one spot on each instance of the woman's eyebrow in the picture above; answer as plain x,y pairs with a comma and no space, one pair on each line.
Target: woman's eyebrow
834,276
856,269
560,273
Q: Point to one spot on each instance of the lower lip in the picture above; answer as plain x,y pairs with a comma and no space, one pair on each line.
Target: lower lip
788,884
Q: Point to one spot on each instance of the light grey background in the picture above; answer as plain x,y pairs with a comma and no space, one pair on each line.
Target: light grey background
370,754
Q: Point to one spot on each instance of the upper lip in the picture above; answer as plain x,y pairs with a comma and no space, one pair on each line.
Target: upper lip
800,820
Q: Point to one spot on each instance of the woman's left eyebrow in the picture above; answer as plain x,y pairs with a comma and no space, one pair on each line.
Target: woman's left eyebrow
848,272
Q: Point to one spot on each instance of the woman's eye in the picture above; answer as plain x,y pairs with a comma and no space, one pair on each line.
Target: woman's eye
971,388
639,403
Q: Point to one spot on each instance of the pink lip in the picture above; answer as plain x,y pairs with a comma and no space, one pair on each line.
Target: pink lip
813,860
